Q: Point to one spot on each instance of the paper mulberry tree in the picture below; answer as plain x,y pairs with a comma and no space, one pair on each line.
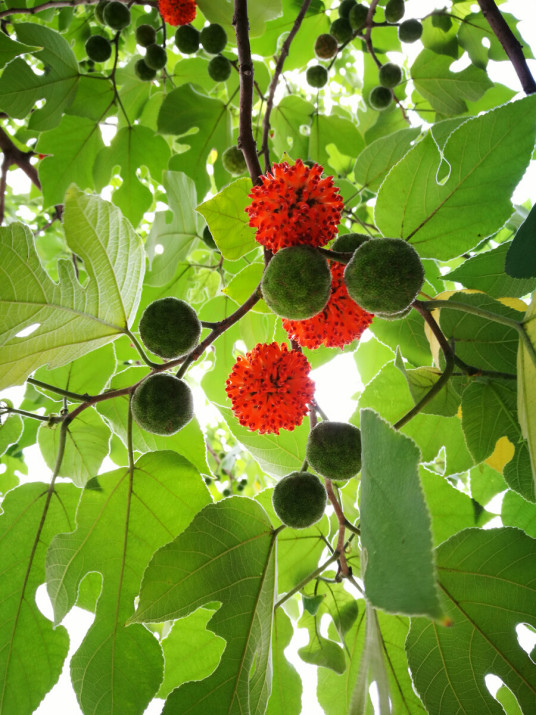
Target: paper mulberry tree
200,202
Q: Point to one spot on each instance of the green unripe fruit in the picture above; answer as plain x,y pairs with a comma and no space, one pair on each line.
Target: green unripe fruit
99,11
345,7
297,283
162,404
394,10
156,57
187,39
358,16
169,327
380,98
145,35
213,38
384,275
409,31
326,46
116,15
144,72
226,493
98,48
349,242
341,30
219,69
233,161
316,76
299,499
394,316
208,239
390,75
334,450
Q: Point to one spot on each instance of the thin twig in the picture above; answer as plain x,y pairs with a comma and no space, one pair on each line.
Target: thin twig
306,580
21,158
344,568
58,390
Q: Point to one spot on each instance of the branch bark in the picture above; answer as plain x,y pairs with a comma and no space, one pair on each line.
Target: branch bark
21,158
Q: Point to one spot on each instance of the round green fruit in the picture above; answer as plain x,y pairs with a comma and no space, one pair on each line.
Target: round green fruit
299,499
349,242
394,316
187,39
380,98
162,404
99,11
144,72
390,75
334,450
358,16
345,7
116,15
384,275
98,48
169,327
156,57
233,161
341,30
394,10
213,38
326,46
316,76
208,238
219,69
409,30
297,283
145,35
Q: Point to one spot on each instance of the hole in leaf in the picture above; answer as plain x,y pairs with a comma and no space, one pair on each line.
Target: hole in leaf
27,331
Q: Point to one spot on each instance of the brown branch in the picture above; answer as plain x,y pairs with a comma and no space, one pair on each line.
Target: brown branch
3,186
21,158
510,44
368,24
246,140
344,569
273,84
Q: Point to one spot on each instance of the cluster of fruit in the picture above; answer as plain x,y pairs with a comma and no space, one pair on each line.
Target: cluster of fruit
213,40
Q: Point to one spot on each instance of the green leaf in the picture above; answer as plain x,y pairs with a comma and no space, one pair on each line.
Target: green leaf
227,220
175,233
319,650
88,374
485,158
515,511
191,652
335,130
286,683
485,483
420,382
406,334
242,285
73,319
486,272
487,582
378,158
227,554
443,89
395,524
475,29
85,448
9,49
258,14
185,109
518,473
521,257
10,431
21,88
526,385
288,120
32,651
72,149
370,357
481,342
122,519
131,148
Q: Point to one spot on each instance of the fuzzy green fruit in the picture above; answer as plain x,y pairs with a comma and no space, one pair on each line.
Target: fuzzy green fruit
358,16
169,327
345,7
390,75
99,11
219,69
341,30
116,15
334,450
156,57
326,46
145,35
299,499
349,242
213,38
162,404
380,98
410,30
394,316
233,161
98,48
187,39
316,76
144,72
394,10
384,275
297,283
